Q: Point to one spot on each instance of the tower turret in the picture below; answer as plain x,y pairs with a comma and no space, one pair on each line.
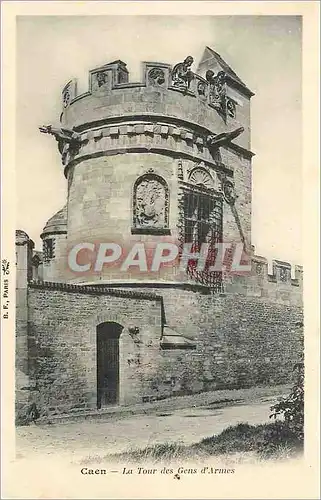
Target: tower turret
54,236
166,159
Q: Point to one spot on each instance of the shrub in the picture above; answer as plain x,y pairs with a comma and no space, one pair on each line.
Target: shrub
291,408
268,440
27,415
239,438
277,437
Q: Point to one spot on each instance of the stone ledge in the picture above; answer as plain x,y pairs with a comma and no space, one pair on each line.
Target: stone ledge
151,230
176,127
114,135
146,148
189,286
92,289
113,289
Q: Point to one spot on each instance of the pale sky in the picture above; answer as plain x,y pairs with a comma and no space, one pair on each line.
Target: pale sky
265,51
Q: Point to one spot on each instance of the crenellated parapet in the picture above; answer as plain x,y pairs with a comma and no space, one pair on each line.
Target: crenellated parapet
212,90
281,271
172,110
278,286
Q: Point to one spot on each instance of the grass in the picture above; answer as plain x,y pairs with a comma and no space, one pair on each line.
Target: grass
156,453
267,441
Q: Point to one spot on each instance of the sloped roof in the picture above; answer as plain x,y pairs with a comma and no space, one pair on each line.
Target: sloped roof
57,223
226,68
21,236
174,340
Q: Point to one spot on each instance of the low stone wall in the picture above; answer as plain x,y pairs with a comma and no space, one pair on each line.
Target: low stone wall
62,344
239,342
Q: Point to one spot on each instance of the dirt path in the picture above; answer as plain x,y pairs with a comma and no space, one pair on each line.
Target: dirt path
51,458
94,438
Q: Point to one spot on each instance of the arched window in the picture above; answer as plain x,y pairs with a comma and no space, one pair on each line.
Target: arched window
150,205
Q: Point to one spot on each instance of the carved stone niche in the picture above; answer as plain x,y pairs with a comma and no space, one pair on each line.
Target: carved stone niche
156,74
282,271
230,108
103,79
150,205
201,87
69,92
259,266
229,192
100,81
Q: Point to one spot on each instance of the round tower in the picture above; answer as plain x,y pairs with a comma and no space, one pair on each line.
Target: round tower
164,160
54,243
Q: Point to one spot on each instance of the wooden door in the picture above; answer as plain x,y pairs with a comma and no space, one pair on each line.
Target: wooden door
108,364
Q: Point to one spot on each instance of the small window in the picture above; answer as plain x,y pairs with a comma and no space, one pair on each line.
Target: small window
48,249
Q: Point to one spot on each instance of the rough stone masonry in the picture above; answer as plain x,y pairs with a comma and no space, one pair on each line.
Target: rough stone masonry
164,159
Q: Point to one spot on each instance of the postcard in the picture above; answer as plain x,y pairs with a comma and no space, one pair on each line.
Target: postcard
159,284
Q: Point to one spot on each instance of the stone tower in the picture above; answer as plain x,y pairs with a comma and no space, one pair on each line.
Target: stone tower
166,159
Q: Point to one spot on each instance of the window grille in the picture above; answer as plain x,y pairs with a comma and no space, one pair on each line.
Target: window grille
203,224
48,249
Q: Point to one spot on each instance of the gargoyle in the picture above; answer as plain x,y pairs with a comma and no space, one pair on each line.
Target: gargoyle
68,140
216,141
62,135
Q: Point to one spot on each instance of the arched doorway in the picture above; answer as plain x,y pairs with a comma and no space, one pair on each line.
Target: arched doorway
108,363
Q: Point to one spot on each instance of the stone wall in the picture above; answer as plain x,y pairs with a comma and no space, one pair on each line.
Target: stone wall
240,342
237,218
101,195
62,344
100,205
24,250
